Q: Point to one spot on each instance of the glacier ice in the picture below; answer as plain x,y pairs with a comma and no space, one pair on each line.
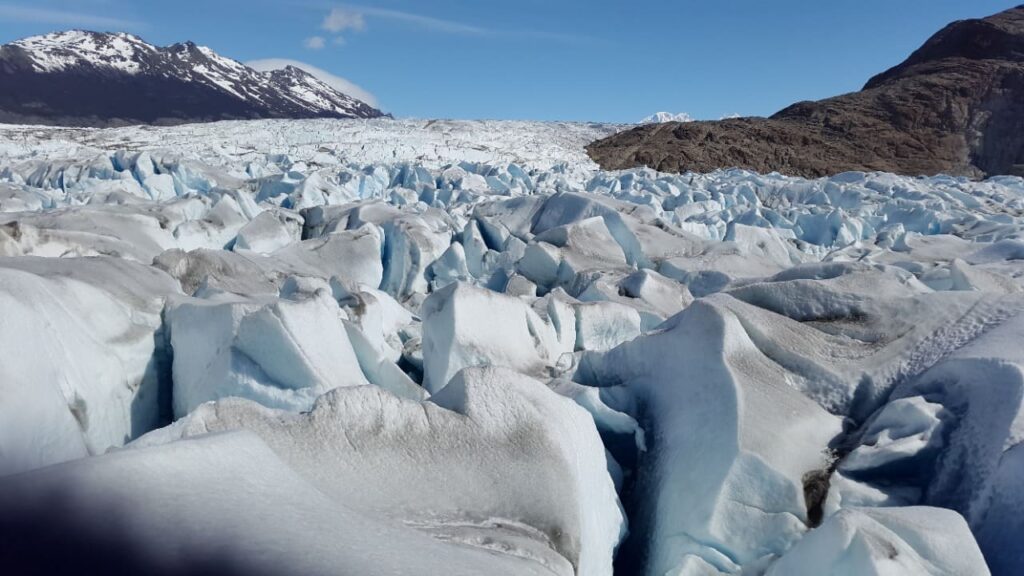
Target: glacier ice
229,504
469,326
84,355
282,353
493,449
268,231
912,540
465,338
727,427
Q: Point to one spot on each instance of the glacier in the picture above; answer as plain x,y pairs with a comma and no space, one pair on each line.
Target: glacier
459,347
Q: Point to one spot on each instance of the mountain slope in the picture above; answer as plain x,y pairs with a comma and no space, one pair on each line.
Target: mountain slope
80,78
954,106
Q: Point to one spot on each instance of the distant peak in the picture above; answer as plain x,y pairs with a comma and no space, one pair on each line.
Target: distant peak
661,117
62,50
77,35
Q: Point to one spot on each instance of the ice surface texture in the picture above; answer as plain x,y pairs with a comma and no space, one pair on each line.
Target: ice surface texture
459,348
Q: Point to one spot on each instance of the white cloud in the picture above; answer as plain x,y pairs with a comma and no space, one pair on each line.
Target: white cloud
353,18
315,42
16,13
337,82
342,19
428,22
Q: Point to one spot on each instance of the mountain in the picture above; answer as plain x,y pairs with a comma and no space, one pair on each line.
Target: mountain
660,117
80,78
955,106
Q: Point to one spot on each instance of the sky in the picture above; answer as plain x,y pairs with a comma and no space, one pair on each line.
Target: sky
583,60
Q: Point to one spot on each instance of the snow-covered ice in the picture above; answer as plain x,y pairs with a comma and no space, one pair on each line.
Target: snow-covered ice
727,425
906,541
459,347
85,357
229,504
492,451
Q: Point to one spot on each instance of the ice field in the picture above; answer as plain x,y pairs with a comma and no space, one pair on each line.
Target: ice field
458,347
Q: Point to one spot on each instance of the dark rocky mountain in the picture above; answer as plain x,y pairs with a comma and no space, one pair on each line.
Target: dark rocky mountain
955,106
80,78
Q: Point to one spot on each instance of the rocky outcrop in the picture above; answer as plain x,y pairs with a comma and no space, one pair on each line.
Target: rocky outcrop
955,106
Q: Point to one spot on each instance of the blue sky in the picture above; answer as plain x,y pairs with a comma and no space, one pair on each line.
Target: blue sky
602,60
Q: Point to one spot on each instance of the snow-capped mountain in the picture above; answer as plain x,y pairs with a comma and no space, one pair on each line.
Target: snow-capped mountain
661,117
85,78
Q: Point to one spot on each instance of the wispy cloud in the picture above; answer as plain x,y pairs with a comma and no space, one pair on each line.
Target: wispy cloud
426,22
19,13
354,17
315,42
